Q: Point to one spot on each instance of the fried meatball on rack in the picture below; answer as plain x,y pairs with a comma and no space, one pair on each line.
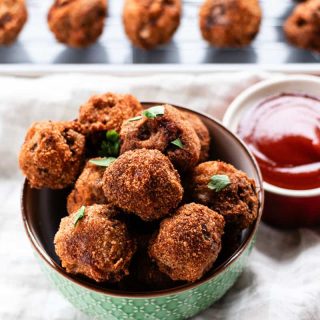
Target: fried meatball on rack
52,155
151,23
143,182
95,244
230,23
303,25
160,133
77,23
237,201
188,243
13,16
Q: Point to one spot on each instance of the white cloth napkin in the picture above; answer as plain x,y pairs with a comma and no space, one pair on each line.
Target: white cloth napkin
282,280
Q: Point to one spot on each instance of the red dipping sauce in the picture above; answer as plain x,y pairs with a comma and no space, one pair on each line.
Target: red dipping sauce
283,133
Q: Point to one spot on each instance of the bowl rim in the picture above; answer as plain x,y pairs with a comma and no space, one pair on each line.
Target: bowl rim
237,106
166,292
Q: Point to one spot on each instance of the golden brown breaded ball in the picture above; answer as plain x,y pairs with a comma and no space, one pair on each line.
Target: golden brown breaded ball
77,23
88,188
303,25
237,202
143,182
107,111
149,23
97,245
13,16
188,243
202,133
159,133
52,155
230,23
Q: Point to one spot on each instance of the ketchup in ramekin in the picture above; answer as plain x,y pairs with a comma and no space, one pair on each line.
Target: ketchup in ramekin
283,133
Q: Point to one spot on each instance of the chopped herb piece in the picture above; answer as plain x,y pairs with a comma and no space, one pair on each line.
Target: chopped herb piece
153,112
112,135
79,215
218,182
178,143
110,147
104,162
134,119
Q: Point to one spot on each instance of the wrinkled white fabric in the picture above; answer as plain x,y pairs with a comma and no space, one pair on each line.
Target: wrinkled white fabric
282,279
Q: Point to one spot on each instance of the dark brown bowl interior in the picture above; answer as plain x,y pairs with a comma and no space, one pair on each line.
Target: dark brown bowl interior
43,209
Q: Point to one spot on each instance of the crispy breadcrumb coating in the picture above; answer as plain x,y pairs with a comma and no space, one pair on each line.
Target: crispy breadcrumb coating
88,188
52,155
97,246
238,202
107,111
143,182
159,133
188,243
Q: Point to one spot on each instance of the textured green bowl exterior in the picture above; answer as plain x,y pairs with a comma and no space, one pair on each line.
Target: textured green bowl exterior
174,306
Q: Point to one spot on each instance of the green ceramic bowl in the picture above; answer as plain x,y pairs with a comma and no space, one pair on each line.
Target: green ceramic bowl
43,209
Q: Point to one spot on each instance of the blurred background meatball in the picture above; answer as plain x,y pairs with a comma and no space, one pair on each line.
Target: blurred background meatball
143,182
13,16
237,201
202,133
95,244
188,243
168,132
107,111
52,155
77,23
88,188
303,25
230,23
149,23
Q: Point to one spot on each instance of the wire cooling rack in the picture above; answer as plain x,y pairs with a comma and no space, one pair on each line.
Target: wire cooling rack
36,45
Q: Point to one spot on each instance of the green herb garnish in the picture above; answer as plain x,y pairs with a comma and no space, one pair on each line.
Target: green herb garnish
218,182
110,147
79,215
153,112
134,119
178,143
104,162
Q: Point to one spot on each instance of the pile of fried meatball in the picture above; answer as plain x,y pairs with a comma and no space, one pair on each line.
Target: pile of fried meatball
148,206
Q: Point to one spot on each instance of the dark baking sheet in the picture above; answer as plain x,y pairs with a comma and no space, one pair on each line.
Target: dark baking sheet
36,45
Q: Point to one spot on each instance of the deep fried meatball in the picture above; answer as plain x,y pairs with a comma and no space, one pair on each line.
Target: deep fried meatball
107,111
303,25
77,23
230,23
188,243
88,188
202,133
52,155
13,16
237,202
97,246
143,182
149,23
159,133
